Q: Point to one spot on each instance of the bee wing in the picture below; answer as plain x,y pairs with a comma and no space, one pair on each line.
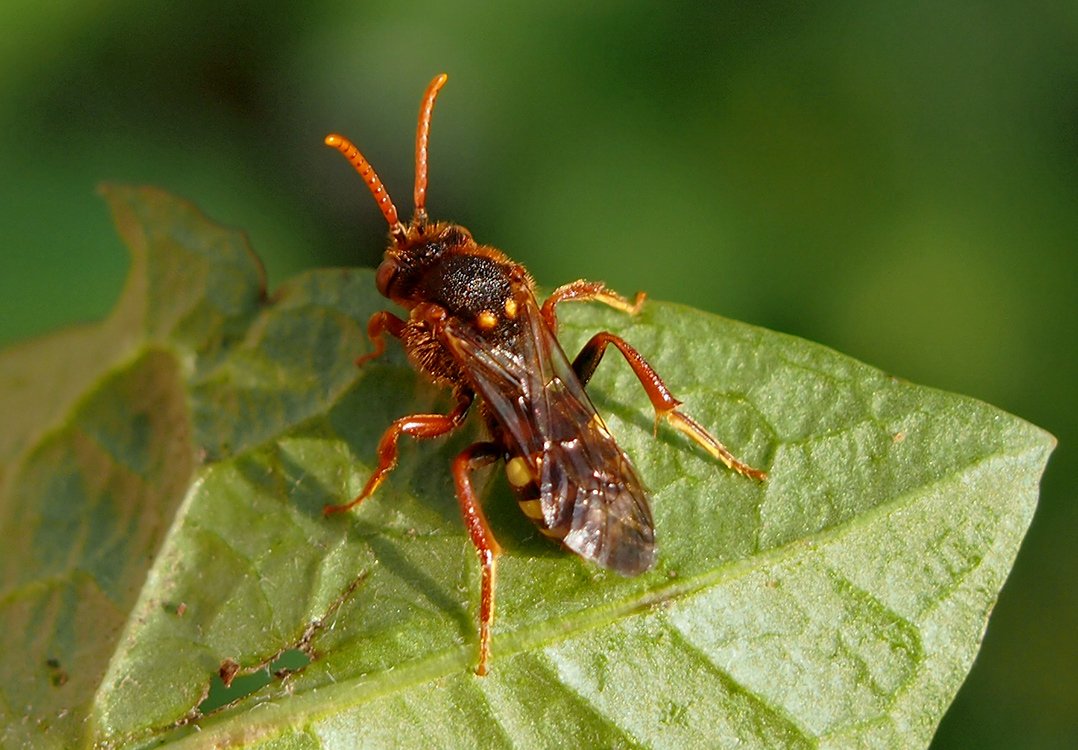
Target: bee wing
587,486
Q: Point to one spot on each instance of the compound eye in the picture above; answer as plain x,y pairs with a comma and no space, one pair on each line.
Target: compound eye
384,277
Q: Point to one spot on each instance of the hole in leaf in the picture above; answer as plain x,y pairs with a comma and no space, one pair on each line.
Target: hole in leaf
57,674
242,685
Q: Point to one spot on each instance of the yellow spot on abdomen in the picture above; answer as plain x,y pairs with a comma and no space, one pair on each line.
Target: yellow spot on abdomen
599,424
533,509
517,472
558,532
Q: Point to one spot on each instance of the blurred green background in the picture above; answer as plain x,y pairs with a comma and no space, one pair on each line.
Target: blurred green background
899,183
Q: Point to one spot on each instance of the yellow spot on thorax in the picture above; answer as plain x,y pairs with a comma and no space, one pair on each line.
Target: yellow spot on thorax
486,320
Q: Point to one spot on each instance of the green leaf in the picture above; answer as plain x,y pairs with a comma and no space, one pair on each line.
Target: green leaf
163,476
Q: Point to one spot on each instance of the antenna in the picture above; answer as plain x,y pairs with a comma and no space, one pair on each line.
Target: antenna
374,184
422,139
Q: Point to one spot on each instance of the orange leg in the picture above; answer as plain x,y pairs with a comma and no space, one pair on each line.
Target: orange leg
588,291
381,322
664,402
475,455
420,426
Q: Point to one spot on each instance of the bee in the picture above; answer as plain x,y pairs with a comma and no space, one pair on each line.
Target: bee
475,326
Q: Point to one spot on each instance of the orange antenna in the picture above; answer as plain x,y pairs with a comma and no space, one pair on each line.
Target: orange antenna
374,184
422,138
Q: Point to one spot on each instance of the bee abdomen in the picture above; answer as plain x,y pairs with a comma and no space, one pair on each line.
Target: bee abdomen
521,479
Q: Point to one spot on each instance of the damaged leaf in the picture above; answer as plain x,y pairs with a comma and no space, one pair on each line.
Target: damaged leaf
164,473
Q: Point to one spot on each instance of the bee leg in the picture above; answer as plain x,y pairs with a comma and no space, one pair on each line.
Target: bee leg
664,402
472,457
381,322
588,291
419,426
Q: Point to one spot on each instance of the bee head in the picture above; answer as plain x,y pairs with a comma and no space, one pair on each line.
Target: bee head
415,246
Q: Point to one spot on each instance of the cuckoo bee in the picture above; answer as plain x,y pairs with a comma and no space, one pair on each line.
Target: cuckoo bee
475,326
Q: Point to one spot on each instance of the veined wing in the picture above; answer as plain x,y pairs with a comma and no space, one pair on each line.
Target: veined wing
586,486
